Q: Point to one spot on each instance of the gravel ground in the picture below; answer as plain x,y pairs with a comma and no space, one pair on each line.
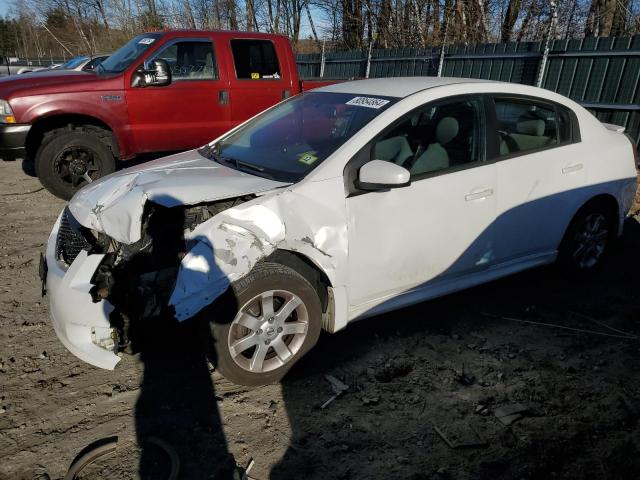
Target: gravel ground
447,365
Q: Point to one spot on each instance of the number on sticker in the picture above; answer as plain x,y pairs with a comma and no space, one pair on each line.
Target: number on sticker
368,102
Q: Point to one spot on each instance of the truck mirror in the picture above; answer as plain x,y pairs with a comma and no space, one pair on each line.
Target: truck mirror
158,75
162,73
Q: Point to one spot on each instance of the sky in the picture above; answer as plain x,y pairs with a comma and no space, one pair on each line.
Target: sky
4,7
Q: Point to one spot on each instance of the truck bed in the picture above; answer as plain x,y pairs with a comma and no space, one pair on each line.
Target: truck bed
317,83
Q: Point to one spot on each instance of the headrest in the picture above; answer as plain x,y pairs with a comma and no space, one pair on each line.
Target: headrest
531,127
447,130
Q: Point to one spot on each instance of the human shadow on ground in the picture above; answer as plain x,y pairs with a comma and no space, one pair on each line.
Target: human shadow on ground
177,402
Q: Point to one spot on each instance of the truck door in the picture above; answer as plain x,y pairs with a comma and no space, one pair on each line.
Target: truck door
259,80
192,110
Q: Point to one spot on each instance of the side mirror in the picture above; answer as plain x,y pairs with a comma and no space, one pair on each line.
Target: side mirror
158,75
382,175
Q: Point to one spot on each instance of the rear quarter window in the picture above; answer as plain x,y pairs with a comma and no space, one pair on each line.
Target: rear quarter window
565,125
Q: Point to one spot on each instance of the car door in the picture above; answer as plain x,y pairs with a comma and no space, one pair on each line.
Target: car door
189,112
261,80
540,173
437,228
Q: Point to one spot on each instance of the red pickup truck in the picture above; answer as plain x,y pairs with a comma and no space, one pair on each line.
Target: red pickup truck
161,92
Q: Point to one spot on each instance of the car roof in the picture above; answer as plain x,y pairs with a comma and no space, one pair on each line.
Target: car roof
398,87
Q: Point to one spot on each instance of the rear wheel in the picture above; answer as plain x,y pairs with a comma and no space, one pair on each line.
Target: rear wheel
278,320
588,238
68,159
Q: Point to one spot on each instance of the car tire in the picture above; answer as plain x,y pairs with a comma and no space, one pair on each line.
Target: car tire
67,158
263,334
588,237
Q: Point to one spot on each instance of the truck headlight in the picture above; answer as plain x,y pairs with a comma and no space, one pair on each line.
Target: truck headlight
6,114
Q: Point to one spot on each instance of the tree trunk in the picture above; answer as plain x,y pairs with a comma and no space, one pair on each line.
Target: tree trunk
513,9
533,5
191,21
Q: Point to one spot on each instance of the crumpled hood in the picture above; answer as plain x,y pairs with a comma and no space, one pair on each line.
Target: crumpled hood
114,204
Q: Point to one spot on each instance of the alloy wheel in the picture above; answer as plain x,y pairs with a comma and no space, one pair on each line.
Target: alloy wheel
268,331
591,239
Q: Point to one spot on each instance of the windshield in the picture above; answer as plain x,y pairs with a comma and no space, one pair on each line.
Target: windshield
288,141
73,63
128,53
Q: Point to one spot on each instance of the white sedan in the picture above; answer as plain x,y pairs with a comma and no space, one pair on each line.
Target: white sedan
333,206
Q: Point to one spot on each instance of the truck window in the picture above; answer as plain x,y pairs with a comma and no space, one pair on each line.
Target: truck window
190,60
120,60
255,60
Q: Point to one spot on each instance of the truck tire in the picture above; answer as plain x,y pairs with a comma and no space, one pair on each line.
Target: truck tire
276,319
69,158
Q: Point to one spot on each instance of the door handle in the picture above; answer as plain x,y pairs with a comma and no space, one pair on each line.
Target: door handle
572,168
223,97
478,195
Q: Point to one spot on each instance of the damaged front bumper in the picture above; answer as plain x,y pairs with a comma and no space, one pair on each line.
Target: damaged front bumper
82,326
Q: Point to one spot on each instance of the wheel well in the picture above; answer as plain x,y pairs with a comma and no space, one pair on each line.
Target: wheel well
309,270
607,201
46,124
610,203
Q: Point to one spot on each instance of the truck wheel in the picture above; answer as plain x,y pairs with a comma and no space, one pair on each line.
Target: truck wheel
68,159
278,319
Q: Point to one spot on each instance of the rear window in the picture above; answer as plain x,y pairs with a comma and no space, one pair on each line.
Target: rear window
255,60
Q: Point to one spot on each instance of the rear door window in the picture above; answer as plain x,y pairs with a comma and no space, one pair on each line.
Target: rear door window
525,125
255,59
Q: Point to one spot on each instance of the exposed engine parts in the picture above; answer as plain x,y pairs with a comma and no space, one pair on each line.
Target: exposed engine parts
137,279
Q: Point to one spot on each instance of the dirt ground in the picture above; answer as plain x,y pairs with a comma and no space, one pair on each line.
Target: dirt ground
447,365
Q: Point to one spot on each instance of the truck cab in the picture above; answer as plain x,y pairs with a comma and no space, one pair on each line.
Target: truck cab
161,92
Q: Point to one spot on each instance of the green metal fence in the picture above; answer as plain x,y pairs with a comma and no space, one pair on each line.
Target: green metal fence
603,74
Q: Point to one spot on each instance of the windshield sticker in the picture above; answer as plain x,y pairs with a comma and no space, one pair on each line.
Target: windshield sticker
146,41
368,102
308,158
255,76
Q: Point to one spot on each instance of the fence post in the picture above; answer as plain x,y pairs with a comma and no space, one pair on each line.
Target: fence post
550,32
366,74
441,61
322,58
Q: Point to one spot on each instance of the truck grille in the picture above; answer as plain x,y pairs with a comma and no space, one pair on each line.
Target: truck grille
70,241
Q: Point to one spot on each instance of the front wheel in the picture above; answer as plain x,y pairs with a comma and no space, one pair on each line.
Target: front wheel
278,320
68,159
588,238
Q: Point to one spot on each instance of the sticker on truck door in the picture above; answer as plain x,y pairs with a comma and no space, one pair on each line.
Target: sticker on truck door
255,76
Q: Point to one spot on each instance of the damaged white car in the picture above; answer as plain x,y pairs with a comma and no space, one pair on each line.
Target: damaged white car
336,205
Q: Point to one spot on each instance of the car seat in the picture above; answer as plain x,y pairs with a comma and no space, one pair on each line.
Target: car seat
436,157
529,135
394,149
